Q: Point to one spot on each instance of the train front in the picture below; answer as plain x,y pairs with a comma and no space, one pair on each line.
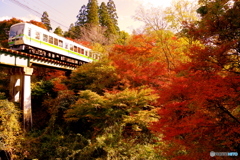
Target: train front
16,34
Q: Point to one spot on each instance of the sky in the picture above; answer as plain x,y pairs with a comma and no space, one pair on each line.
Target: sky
63,12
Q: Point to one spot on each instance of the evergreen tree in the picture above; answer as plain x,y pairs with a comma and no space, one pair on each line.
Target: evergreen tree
45,20
71,32
58,31
104,17
113,13
95,20
82,16
92,16
105,20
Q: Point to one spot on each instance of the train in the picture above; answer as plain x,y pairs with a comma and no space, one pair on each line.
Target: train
30,38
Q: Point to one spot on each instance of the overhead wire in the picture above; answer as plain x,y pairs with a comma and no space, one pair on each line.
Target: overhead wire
50,6
25,7
52,9
29,9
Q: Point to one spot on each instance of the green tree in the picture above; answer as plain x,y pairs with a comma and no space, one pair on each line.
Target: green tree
58,31
111,7
88,22
97,24
106,21
122,38
92,16
71,33
55,140
117,124
80,24
46,21
104,17
96,76
82,16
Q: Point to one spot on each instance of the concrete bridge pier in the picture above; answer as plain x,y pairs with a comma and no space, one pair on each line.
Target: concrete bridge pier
20,91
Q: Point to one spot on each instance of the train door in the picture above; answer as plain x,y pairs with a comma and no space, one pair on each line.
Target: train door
27,38
29,32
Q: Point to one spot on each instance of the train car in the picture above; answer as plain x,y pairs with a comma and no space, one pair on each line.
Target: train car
35,40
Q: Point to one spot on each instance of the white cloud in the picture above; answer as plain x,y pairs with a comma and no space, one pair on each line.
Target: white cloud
5,18
26,18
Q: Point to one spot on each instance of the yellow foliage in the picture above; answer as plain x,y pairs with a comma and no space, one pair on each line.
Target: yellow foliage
10,130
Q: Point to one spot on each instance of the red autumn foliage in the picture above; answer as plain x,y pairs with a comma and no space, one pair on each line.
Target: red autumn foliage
200,107
136,63
39,24
4,30
199,110
199,100
57,76
58,85
84,43
54,73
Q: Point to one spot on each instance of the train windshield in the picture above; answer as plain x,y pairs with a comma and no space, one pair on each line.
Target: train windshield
16,31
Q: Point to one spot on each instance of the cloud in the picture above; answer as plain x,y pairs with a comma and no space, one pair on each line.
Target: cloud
26,18
5,18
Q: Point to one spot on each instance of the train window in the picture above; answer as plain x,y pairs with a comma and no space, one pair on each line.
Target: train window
50,39
29,32
63,58
66,45
56,41
37,35
75,48
79,50
86,53
60,43
71,47
82,51
45,38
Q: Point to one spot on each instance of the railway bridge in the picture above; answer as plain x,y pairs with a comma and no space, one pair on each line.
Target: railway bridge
20,77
